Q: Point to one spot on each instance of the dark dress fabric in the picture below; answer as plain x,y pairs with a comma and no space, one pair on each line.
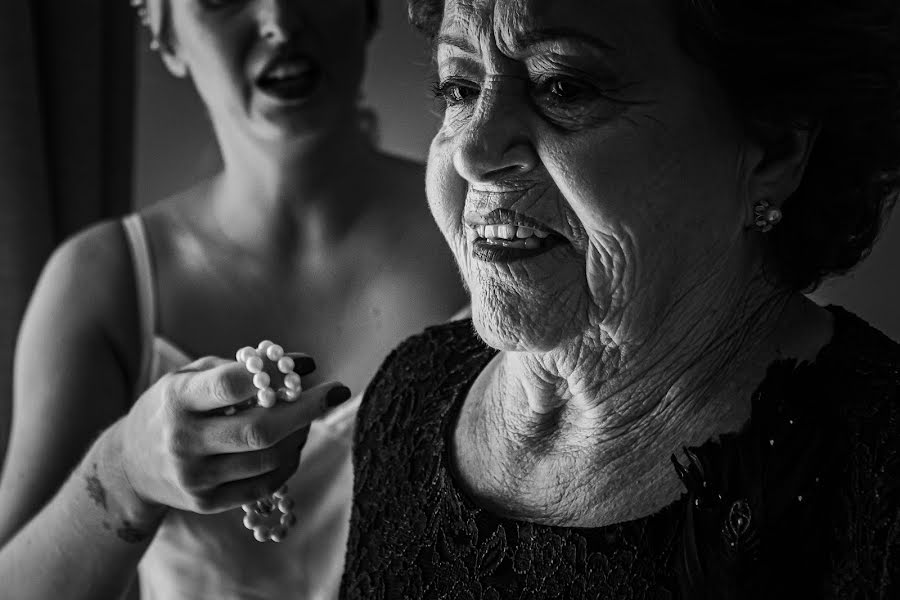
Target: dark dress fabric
801,503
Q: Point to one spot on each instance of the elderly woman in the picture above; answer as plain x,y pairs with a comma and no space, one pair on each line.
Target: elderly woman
637,192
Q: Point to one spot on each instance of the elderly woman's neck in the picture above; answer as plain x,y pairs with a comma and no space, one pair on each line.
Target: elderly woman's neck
690,379
680,363
609,426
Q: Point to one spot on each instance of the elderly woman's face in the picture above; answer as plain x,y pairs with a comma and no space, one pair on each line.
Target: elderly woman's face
279,67
587,172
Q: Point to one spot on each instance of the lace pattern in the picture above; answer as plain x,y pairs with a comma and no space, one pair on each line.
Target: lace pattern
801,503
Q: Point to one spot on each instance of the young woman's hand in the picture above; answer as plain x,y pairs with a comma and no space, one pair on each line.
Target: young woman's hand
179,449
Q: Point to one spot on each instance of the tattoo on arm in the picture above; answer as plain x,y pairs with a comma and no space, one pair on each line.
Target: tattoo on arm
127,532
96,490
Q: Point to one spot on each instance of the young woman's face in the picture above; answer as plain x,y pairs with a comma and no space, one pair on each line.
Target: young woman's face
275,68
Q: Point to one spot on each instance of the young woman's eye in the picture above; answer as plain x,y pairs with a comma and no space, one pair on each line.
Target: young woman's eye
454,92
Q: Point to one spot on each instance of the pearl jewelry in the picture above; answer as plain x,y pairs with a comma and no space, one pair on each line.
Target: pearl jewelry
254,364
266,397
259,515
285,364
274,352
292,381
262,380
765,216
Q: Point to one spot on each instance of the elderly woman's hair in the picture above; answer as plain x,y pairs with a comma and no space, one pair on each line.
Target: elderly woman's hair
829,65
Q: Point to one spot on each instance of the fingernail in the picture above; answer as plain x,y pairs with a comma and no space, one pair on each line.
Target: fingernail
337,395
304,365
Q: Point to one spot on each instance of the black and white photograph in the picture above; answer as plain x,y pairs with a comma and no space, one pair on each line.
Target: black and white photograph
449,300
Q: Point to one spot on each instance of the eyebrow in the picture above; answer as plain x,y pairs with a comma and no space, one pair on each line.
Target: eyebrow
534,37
458,42
531,38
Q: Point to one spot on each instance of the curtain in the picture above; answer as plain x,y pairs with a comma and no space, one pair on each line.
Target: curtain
66,121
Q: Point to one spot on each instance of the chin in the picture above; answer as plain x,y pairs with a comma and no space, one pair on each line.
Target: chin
505,322
300,126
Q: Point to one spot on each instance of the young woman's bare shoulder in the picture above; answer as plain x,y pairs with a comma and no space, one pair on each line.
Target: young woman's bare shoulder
87,288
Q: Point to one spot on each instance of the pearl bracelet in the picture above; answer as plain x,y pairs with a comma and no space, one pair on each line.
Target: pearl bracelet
259,515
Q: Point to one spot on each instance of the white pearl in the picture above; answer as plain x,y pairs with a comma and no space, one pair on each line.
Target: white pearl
262,380
292,381
250,507
278,534
274,352
263,346
252,520
244,353
286,505
280,492
288,520
261,534
291,395
285,364
283,394
254,364
266,398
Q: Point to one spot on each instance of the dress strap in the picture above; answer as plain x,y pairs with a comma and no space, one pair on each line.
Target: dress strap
136,235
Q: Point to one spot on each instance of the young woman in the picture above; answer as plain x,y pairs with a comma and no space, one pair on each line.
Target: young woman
309,236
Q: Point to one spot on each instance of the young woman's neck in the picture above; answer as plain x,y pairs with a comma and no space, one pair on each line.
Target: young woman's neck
305,191
324,167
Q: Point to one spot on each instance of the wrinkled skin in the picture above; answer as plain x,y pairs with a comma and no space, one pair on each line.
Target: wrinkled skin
587,116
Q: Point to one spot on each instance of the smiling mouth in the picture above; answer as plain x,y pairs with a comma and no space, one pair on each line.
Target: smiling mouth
510,239
290,79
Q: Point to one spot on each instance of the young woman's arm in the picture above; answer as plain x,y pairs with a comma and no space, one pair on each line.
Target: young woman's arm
80,533
77,353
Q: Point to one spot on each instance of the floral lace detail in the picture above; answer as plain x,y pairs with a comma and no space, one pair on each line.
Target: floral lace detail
801,503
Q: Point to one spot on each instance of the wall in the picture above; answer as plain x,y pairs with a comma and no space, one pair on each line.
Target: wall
175,148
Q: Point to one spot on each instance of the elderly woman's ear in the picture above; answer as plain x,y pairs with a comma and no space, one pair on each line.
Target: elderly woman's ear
776,160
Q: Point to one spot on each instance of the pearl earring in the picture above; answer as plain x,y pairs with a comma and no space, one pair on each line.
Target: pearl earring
765,216
258,516
140,6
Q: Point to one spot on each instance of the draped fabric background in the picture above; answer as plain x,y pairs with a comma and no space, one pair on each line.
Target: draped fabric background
66,123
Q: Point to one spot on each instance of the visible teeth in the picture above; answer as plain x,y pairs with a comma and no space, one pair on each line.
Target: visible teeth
529,243
287,71
524,232
509,232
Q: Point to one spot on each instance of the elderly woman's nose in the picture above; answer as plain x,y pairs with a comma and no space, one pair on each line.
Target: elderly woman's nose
495,147
279,20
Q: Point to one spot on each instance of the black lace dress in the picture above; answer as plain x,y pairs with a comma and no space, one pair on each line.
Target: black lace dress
802,503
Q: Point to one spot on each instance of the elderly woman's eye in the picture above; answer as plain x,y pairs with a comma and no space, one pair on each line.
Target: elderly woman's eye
454,92
565,89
